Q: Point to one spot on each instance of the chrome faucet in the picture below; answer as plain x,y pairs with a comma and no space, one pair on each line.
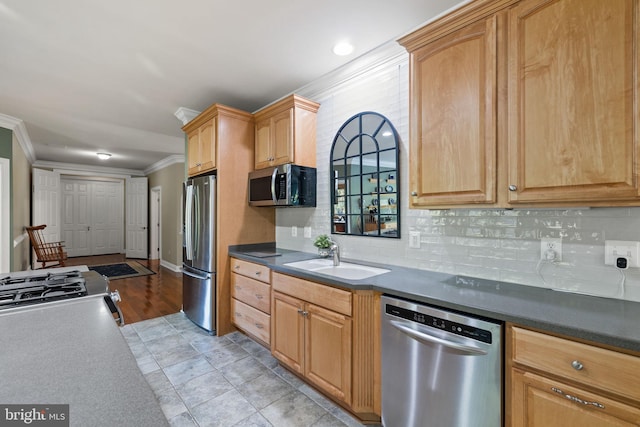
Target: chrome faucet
335,251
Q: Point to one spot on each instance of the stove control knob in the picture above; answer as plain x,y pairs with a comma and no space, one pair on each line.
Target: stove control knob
115,295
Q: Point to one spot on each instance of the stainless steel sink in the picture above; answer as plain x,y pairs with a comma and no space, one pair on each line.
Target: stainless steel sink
345,270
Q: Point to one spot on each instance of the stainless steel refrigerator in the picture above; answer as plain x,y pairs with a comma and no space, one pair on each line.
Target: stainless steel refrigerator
199,252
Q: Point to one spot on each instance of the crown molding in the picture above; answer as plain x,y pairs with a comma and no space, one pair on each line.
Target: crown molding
87,170
20,131
167,161
385,55
185,115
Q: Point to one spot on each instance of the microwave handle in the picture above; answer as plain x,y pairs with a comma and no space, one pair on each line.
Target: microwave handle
273,186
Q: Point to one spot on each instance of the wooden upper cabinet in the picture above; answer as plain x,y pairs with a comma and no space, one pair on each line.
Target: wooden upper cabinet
572,78
286,133
526,103
202,148
453,124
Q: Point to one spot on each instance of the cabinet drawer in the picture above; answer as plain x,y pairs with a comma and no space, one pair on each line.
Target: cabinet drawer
252,321
325,296
605,369
249,269
252,292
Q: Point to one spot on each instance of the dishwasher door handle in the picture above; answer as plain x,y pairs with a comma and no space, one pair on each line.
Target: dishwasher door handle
430,339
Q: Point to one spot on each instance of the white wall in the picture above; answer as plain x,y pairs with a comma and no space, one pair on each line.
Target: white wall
486,243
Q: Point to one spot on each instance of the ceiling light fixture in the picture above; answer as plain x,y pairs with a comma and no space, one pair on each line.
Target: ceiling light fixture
103,156
343,48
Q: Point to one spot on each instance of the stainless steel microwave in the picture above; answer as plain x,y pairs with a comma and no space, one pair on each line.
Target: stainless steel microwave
284,185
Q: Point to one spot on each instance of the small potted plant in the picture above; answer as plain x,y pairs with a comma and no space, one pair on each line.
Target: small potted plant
323,243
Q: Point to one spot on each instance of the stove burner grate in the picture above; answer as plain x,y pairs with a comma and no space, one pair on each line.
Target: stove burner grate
15,291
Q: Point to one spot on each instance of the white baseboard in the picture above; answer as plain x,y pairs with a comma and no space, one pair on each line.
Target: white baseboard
170,266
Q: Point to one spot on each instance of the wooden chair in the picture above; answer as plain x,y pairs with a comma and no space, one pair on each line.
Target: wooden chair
46,252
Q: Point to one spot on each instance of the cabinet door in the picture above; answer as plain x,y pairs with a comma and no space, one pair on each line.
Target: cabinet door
453,104
572,83
193,154
208,145
263,144
328,351
282,134
540,402
287,331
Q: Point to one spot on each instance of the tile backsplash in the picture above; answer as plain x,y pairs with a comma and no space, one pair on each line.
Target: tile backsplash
496,244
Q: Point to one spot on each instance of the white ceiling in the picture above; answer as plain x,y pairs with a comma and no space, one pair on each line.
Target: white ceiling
88,76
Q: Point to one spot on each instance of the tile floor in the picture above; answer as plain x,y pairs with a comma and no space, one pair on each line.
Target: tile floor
201,380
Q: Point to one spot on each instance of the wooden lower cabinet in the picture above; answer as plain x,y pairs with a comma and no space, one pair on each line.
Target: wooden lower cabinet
559,382
251,299
287,335
330,338
543,402
314,342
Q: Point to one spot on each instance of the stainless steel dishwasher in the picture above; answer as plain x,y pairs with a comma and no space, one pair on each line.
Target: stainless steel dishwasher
439,368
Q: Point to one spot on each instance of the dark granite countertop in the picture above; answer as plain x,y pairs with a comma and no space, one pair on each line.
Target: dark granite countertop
602,320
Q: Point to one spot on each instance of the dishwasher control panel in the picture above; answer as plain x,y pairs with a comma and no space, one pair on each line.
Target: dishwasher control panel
440,323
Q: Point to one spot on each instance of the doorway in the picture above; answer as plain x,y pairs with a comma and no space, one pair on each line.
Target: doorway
92,216
155,224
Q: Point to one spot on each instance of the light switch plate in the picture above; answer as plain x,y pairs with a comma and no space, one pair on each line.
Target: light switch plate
414,239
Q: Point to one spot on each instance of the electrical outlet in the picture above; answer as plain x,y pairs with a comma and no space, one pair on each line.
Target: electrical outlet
307,232
414,239
294,231
551,249
614,249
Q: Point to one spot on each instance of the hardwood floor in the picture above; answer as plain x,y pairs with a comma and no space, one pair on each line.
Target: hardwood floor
143,297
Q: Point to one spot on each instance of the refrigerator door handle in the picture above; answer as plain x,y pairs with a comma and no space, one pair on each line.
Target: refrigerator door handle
194,275
198,222
188,215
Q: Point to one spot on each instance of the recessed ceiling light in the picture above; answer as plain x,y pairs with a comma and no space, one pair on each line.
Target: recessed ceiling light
343,48
103,156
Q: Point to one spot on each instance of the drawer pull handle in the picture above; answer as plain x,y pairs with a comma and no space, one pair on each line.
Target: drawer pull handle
238,288
238,314
258,273
259,326
577,365
577,399
237,267
258,296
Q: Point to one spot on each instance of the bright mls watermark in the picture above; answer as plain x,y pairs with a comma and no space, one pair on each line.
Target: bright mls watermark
34,415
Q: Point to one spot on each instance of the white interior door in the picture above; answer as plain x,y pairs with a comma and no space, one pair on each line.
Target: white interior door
137,221
76,217
92,216
45,204
106,218
154,224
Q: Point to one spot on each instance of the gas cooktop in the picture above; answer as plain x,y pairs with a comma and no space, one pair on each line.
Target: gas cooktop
21,290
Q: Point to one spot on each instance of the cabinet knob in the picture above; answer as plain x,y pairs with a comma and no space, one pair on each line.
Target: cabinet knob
513,187
414,193
237,267
577,365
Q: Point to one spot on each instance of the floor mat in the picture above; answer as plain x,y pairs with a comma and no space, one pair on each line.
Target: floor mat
122,270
